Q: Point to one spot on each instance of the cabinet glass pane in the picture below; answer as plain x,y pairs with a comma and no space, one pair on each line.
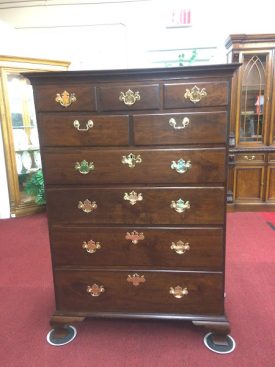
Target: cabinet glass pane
252,117
24,130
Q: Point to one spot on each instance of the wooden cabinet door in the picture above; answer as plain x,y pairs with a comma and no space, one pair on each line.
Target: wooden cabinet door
248,183
270,186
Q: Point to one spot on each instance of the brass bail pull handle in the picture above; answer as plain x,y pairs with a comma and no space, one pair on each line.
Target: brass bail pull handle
182,125
65,99
131,160
180,247
133,197
250,157
180,206
129,98
134,236
87,206
178,291
84,167
89,125
181,166
196,94
95,290
91,246
136,279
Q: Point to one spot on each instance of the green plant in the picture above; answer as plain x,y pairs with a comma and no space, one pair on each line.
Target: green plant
182,61
35,186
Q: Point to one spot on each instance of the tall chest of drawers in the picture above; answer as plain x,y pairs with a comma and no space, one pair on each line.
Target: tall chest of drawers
134,163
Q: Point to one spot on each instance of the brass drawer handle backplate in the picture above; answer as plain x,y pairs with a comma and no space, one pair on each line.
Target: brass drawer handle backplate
95,290
65,99
91,246
131,160
195,95
180,247
178,291
89,125
129,98
180,206
84,167
134,237
87,206
136,279
181,166
133,197
184,123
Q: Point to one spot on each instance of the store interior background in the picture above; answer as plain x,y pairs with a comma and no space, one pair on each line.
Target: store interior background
111,34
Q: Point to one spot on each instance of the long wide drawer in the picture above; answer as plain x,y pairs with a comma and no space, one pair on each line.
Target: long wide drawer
180,128
197,248
82,129
85,166
139,291
136,205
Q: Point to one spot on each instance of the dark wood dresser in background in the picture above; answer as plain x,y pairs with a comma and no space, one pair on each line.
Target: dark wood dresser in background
134,163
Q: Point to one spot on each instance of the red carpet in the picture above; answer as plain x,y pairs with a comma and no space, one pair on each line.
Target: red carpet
27,303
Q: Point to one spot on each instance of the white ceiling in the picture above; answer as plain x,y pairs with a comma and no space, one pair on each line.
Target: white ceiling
4,4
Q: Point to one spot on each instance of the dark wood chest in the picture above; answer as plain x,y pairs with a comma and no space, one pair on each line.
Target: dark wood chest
134,163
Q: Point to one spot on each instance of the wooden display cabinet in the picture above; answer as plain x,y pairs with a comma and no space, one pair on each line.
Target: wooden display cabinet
251,174
19,130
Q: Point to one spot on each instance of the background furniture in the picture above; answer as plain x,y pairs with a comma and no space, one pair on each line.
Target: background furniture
19,130
251,181
135,170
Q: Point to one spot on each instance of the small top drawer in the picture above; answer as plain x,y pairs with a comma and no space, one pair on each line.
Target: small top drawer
180,128
186,95
250,158
65,97
129,97
82,129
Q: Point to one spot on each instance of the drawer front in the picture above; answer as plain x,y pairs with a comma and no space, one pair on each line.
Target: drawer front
129,97
136,205
65,97
109,291
186,95
200,248
248,158
180,128
150,166
82,129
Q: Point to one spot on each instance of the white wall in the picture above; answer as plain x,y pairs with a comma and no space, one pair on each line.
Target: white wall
117,34
111,34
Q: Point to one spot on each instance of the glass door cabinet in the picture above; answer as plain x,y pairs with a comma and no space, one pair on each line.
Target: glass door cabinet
252,128
19,130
